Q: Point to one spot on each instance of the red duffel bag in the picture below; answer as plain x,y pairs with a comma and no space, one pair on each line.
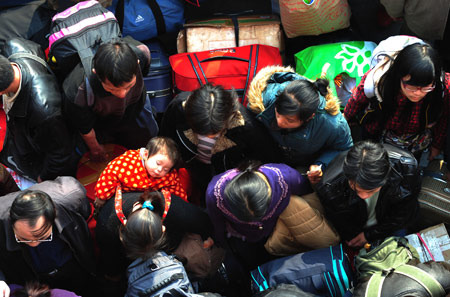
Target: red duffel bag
232,68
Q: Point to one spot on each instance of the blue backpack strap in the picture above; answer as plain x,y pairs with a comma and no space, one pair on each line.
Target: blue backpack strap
336,273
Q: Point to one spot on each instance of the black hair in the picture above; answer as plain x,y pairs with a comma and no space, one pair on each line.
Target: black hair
142,235
247,194
7,73
209,109
367,164
423,64
117,62
32,289
168,146
30,206
301,98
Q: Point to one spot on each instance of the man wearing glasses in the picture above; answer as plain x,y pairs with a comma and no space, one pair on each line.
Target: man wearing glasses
44,237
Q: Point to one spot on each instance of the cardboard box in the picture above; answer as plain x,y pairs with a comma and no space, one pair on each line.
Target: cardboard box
437,241
220,33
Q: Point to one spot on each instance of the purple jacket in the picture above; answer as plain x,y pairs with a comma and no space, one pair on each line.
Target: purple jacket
284,182
54,292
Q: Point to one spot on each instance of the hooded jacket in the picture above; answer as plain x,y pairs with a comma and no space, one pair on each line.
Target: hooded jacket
316,142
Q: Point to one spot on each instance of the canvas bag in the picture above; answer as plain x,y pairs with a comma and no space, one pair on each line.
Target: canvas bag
391,253
350,60
324,272
145,19
313,17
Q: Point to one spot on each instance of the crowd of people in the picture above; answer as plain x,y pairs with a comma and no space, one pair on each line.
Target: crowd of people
280,176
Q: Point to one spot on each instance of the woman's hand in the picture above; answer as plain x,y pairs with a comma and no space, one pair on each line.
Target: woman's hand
315,174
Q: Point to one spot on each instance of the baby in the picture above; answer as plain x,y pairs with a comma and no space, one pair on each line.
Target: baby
137,170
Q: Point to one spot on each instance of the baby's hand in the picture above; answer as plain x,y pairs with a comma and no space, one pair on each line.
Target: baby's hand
99,202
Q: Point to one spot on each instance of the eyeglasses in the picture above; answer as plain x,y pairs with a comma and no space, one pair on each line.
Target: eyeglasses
50,238
415,89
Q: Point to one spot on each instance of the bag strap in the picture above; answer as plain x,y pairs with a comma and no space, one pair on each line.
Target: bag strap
156,10
433,287
32,57
251,72
427,281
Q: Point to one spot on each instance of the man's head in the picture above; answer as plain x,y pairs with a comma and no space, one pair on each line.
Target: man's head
116,65
6,74
32,215
366,167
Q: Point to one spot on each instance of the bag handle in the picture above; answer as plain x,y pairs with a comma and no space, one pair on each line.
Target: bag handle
156,10
224,58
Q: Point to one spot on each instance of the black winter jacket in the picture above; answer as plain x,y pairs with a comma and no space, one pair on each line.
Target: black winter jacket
397,203
37,142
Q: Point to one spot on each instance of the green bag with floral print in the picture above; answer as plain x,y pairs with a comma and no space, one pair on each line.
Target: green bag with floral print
342,63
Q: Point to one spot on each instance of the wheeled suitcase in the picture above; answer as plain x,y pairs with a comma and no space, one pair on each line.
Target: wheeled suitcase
232,68
434,197
158,82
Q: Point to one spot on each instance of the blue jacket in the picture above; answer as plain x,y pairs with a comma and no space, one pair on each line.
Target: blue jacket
318,141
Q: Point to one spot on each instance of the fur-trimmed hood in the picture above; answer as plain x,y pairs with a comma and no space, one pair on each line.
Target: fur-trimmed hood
259,85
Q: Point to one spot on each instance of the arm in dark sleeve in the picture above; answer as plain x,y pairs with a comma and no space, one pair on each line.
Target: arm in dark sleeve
188,217
56,144
340,209
260,144
401,207
172,115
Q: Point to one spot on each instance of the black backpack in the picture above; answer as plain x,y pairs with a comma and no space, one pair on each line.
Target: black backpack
76,33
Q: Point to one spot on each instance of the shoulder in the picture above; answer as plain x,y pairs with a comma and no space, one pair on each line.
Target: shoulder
74,83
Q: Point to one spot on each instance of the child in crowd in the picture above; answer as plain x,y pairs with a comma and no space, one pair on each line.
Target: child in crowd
152,168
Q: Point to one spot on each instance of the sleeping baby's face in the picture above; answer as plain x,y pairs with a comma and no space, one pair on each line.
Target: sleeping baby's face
158,165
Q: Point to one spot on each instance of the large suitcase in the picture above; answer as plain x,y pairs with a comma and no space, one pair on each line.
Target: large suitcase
158,82
232,68
434,197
